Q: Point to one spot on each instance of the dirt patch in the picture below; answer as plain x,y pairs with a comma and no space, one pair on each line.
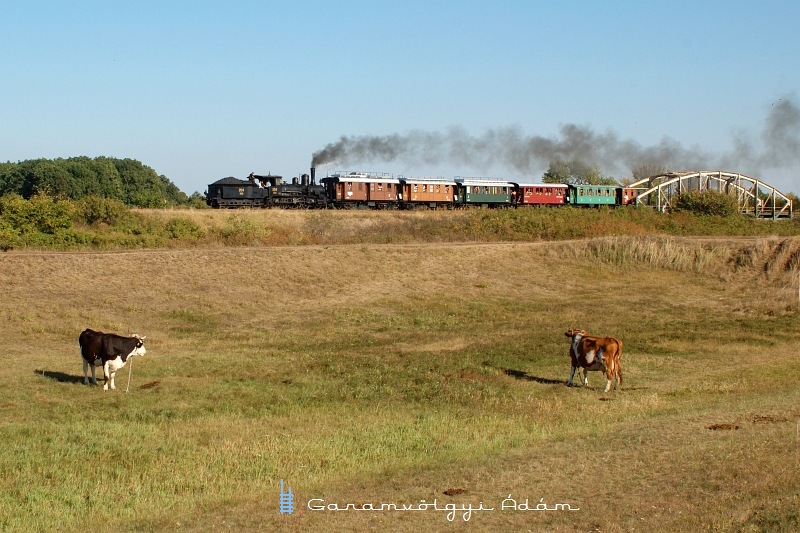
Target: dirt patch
151,385
766,419
455,492
722,427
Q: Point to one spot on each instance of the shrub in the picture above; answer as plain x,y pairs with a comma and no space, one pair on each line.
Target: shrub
708,203
99,210
39,214
8,238
181,228
241,230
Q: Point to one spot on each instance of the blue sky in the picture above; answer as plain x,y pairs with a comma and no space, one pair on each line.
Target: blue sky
202,90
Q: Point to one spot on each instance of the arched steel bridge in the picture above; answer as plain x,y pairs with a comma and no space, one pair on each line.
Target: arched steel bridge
753,196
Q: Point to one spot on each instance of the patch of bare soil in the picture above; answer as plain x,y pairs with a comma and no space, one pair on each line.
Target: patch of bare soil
723,426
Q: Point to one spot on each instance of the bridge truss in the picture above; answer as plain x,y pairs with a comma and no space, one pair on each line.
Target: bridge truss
753,196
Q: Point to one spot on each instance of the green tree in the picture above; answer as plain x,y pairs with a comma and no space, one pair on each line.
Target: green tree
126,180
576,173
197,200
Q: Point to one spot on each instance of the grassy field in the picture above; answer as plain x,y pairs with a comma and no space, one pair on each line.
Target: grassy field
394,373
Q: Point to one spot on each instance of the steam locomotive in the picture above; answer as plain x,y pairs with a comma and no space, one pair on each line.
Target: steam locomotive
266,191
377,190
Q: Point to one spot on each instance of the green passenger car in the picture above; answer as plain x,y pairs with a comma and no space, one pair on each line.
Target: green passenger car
483,192
592,195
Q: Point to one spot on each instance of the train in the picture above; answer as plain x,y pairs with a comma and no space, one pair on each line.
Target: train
380,190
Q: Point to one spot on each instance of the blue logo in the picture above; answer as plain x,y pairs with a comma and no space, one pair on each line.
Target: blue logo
286,500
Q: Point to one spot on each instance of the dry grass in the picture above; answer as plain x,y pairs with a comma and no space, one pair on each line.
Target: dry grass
374,373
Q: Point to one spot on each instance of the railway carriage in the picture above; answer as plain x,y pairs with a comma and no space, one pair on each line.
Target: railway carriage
628,195
540,194
592,195
377,190
483,192
430,193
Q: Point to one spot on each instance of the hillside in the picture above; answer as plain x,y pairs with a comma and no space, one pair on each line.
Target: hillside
370,373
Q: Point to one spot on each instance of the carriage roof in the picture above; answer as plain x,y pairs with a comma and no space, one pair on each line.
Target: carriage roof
484,182
551,185
363,177
422,181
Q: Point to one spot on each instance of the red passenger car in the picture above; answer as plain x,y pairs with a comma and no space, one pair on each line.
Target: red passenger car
540,194
628,195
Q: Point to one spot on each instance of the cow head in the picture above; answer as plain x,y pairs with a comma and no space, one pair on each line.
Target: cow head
140,349
572,333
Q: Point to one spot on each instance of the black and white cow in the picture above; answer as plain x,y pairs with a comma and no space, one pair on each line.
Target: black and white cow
109,351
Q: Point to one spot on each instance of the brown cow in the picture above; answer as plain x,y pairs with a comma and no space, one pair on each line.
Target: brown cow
595,353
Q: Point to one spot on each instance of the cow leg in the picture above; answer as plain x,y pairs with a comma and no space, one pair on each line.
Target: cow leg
611,377
113,385
585,378
571,375
86,371
106,376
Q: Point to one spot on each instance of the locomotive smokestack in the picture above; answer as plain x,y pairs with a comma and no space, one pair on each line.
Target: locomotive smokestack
313,176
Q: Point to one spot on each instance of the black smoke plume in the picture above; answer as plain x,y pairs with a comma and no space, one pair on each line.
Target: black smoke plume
510,148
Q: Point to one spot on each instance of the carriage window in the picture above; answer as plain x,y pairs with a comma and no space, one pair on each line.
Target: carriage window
380,186
360,186
476,189
349,185
438,188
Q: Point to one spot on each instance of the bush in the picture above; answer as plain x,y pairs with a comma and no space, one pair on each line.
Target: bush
241,230
99,210
708,203
39,214
8,238
182,228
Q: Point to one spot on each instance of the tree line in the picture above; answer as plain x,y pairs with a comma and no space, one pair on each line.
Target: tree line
125,180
